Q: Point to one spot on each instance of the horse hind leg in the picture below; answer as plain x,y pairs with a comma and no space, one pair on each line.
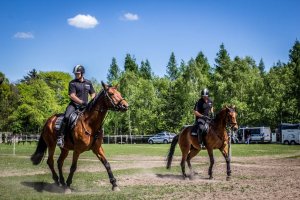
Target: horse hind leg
60,162
50,162
185,151
193,152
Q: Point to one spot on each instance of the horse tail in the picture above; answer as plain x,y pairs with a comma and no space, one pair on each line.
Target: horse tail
171,151
40,151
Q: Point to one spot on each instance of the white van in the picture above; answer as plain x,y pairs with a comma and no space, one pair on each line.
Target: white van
256,134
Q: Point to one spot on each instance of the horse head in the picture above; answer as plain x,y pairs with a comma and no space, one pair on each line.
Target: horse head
114,99
231,116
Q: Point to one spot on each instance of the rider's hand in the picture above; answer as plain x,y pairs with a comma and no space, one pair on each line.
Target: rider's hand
84,103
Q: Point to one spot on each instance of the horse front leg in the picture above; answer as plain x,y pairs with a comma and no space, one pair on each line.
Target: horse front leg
60,162
225,153
212,162
100,155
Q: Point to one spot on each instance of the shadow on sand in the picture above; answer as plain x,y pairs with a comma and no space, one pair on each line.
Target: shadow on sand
43,186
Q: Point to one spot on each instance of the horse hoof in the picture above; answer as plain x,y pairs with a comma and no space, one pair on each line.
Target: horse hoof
68,191
210,178
228,178
116,189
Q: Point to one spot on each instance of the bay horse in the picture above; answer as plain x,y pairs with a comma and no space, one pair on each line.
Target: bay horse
86,135
216,138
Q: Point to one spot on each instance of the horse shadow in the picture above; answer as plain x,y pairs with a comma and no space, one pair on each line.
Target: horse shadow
40,186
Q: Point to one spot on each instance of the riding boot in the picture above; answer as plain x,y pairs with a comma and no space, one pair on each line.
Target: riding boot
200,139
61,134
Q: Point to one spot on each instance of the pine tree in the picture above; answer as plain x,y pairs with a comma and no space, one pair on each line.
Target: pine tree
130,64
145,70
113,71
172,69
261,66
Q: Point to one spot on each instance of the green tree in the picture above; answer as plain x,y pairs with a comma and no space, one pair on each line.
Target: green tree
294,63
113,71
172,69
261,67
145,70
130,64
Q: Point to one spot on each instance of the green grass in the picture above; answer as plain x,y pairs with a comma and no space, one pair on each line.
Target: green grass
28,185
112,150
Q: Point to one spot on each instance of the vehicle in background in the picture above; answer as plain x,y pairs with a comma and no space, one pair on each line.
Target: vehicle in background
163,137
290,133
254,134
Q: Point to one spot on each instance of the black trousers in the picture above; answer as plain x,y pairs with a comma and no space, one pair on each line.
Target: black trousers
69,110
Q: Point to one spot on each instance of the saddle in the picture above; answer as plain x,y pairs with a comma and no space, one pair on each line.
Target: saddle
202,127
72,120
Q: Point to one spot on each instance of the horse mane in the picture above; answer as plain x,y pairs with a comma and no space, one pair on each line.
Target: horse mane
219,114
94,100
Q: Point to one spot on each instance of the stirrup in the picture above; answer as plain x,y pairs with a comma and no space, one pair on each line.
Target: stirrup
60,142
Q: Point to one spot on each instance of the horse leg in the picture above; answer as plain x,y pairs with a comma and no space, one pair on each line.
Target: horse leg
50,162
228,160
193,153
60,162
100,155
212,161
73,168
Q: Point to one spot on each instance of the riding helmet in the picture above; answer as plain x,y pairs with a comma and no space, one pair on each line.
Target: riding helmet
78,69
205,92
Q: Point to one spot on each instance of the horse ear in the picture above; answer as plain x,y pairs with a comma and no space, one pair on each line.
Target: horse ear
105,86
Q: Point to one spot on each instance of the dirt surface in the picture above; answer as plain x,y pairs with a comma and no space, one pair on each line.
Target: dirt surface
252,178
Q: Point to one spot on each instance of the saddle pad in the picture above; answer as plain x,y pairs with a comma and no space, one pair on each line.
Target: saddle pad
194,130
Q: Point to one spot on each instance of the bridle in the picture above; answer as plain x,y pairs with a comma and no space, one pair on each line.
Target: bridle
229,123
115,106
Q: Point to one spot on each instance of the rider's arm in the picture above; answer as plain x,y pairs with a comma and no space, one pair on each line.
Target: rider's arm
197,113
75,98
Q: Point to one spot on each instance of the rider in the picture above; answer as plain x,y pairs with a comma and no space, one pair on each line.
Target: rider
79,88
203,110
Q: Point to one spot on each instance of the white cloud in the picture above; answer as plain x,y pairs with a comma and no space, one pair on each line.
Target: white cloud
130,17
83,21
24,35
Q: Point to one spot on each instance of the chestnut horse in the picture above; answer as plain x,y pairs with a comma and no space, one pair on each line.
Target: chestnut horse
216,138
86,135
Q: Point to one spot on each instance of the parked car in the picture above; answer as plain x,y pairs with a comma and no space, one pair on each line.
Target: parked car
163,137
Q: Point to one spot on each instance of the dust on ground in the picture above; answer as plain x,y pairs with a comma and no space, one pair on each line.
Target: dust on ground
265,177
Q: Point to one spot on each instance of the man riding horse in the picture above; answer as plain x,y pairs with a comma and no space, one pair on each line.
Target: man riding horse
79,88
203,111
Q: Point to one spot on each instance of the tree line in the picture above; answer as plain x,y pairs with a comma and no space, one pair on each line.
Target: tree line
164,103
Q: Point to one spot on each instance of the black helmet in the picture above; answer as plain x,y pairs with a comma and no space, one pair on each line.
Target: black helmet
78,69
205,92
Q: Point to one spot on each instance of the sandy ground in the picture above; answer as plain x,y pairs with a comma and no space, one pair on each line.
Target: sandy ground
252,177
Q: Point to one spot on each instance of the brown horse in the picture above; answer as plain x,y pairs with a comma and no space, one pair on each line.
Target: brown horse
86,135
216,138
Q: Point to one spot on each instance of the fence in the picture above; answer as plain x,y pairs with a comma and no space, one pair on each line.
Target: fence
9,138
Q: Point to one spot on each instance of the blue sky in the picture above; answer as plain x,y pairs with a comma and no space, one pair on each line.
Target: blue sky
56,35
